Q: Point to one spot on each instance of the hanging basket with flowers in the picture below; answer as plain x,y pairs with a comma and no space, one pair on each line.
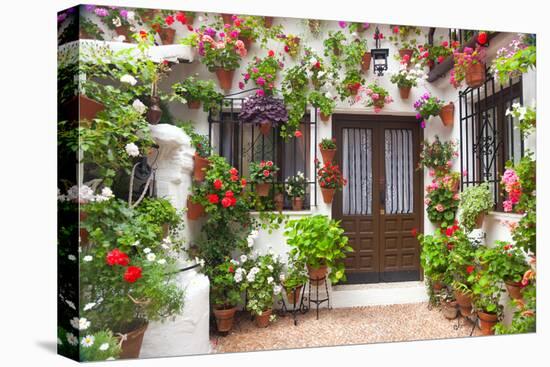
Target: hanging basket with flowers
374,96
265,111
469,65
407,78
330,179
426,107
263,175
263,72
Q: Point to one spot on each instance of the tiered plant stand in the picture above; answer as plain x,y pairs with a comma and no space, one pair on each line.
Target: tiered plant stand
296,307
472,318
317,301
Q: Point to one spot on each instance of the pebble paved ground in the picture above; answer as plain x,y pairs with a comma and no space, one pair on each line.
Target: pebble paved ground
342,326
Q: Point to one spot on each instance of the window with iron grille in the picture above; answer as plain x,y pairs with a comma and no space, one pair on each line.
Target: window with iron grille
242,143
489,138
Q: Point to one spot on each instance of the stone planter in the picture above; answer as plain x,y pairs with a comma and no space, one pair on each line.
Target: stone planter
225,78
227,18
437,286
479,220
268,22
297,203
224,318
487,322
475,75
131,344
123,30
447,114
328,195
262,321
247,42
83,108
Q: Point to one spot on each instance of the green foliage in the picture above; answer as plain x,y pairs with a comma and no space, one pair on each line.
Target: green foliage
506,261
263,72
225,292
474,201
261,282
316,69
295,90
353,79
525,316
353,53
518,58
327,143
434,256
296,274
98,346
527,117
194,89
334,43
486,291
436,155
405,37
461,261
320,100
90,28
317,240
200,142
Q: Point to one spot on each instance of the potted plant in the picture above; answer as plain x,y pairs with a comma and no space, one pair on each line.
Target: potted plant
261,285
442,199
228,18
461,268
475,203
263,175
195,207
194,91
515,59
469,65
449,305
328,149
330,179
115,19
203,150
247,26
314,26
375,96
434,258
351,84
263,72
279,198
446,114
324,103
294,280
292,44
355,54
486,294
266,111
225,293
406,79
426,107
296,190
432,55
315,69
334,43
319,242
437,155
404,38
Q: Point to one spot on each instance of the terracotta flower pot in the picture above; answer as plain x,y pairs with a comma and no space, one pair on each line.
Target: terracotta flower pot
247,42
404,52
262,189
199,169
324,117
154,112
227,18
279,201
225,78
447,114
189,19
262,321
131,345
437,286
328,155
328,195
194,210
293,295
464,303
317,274
265,127
353,89
479,220
365,61
475,75
224,318
167,35
450,310
487,322
268,22
297,203
514,289
194,105
82,108
404,92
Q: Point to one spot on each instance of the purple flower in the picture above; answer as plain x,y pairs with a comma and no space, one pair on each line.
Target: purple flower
222,34
423,124
234,34
366,25
123,13
210,32
61,17
418,116
89,7
101,12
342,24
426,95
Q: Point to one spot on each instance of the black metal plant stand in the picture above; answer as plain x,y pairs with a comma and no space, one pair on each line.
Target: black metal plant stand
472,318
318,301
302,308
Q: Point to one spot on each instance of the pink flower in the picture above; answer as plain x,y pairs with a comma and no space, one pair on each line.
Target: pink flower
456,196
368,91
220,45
239,44
388,99
260,92
507,205
260,81
246,76
342,24
377,109
255,70
241,85
439,207
465,173
375,96
242,52
427,201
449,164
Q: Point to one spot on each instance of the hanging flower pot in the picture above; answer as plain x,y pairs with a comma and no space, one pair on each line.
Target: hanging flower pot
268,22
262,321
406,52
262,189
514,289
279,201
123,30
324,118
224,319
167,35
317,274
365,61
464,303
328,155
446,114
225,78
265,127
189,19
194,210
131,342
154,112
404,92
293,295
194,105
328,195
475,75
487,322
199,169
227,18
450,310
297,203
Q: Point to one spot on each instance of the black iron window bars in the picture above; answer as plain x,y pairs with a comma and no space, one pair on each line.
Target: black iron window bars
242,143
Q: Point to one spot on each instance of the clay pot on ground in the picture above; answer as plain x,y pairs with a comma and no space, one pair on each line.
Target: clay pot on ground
268,22
316,275
464,303
224,318
365,61
450,310
225,78
131,345
154,112
293,295
262,321
265,127
83,108
404,92
328,195
227,18
297,203
324,117
194,210
279,201
514,289
487,322
447,114
199,169
475,75
262,189
404,52
328,155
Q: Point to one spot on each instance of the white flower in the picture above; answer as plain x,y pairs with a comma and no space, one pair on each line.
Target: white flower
89,306
80,324
107,192
130,15
151,257
146,250
200,262
277,289
132,150
88,341
269,280
139,106
71,257
128,79
270,267
161,261
137,243
88,258
117,22
354,34
201,18
73,340
321,74
234,262
250,242
238,277
282,278
104,346
254,234
251,277
70,304
243,258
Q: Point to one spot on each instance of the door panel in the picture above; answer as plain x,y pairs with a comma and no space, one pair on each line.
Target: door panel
381,203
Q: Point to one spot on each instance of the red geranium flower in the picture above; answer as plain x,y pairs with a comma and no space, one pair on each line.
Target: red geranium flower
233,201
482,38
169,20
450,246
226,202
143,34
470,269
269,163
396,29
414,232
233,171
213,198
190,28
218,184
266,173
117,257
270,53
262,164
234,178
243,182
298,134
229,194
231,270
287,49
237,22
132,274
180,17
318,65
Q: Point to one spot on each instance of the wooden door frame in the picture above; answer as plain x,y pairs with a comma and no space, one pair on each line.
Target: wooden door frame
365,121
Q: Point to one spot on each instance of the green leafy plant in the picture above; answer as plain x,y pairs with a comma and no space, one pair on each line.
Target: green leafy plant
434,256
200,142
334,43
350,84
375,96
193,89
323,102
263,172
292,44
506,261
486,291
527,117
442,199
296,274
316,69
461,260
225,291
327,143
296,185
437,155
317,240
524,319
404,37
427,106
295,90
262,282
517,58
475,201
91,347
353,53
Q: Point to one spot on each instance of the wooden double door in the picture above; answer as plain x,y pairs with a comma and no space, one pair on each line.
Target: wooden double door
382,201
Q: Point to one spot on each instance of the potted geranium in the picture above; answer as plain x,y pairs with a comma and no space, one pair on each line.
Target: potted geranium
203,149
265,111
263,72
320,243
225,293
437,155
475,202
296,190
404,38
486,295
375,96
351,84
426,107
261,285
328,149
324,103
442,199
407,78
247,26
263,175
294,280
330,179
461,268
434,258
194,91
292,44
469,65
315,68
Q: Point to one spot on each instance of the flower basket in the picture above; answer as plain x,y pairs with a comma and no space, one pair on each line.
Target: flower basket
225,78
265,127
268,22
293,295
199,169
324,117
464,303
328,155
328,195
404,92
404,52
297,203
167,35
446,114
194,105
279,201
316,275
194,210
487,322
514,290
365,61
224,319
262,321
475,75
262,189
131,343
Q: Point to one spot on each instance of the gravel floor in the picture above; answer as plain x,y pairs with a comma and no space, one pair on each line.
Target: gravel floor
341,326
